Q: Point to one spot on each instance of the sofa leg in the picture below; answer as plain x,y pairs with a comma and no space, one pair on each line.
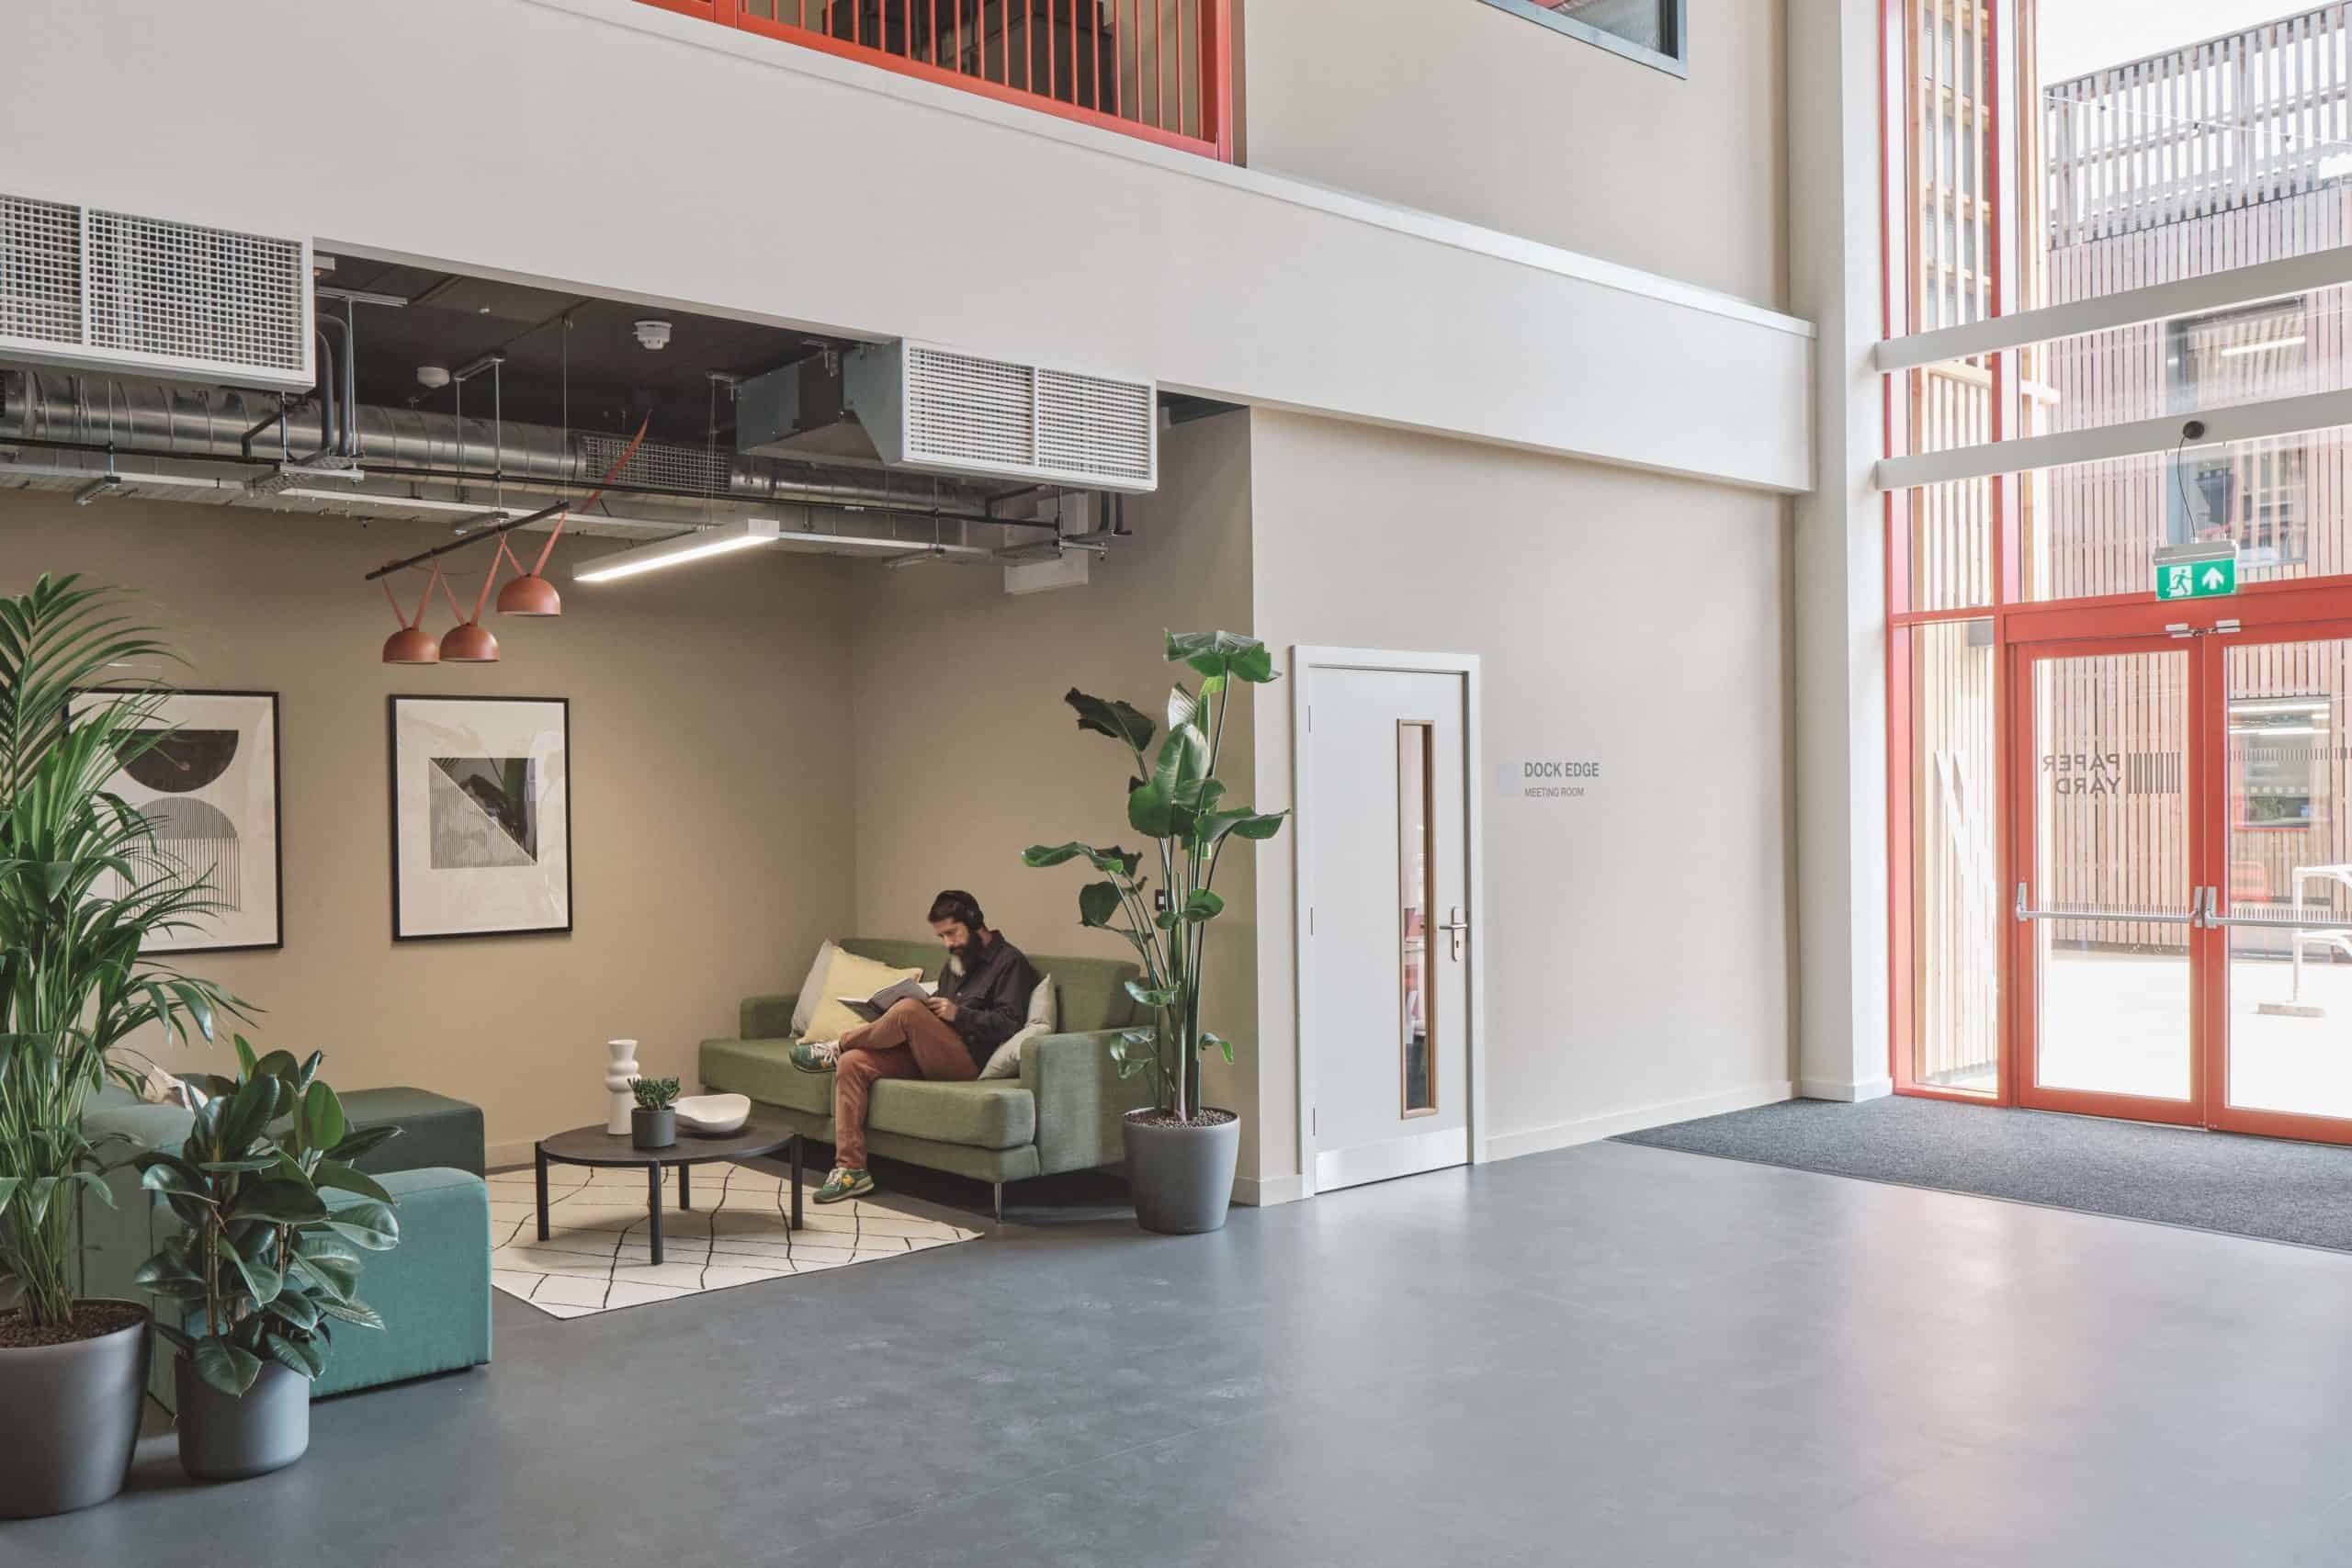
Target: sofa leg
998,1187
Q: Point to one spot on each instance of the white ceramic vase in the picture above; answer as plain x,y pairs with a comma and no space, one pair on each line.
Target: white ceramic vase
623,1067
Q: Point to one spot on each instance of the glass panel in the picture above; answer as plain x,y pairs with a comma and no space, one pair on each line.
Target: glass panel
1956,910
1415,844
2291,862
2177,140
1953,544
2094,528
2112,847
2186,364
1645,22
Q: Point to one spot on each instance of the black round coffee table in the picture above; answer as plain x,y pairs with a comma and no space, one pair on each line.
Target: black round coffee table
595,1146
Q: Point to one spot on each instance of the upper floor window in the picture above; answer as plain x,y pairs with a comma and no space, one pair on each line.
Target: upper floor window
1650,31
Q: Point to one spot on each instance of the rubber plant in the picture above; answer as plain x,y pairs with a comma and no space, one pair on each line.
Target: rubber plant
1176,801
264,1267
82,892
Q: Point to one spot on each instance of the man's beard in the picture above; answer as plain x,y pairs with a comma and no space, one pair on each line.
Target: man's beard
959,959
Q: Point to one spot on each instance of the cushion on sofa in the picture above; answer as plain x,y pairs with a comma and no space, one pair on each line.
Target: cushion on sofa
999,1113
853,977
1089,993
812,988
1004,1062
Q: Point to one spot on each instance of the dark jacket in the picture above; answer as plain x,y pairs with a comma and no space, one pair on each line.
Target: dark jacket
991,998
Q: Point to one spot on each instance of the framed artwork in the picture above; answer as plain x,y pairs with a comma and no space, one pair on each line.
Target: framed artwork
482,816
210,786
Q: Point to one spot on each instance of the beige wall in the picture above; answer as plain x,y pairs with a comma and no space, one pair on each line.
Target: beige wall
711,841
966,753
1463,108
1638,941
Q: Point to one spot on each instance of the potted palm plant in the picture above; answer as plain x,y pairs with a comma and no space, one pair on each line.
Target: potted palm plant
1181,1153
81,891
265,1265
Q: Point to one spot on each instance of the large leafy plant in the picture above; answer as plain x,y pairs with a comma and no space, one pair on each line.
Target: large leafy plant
81,889
264,1267
1177,802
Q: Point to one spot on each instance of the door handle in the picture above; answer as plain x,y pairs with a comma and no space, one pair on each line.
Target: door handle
1455,926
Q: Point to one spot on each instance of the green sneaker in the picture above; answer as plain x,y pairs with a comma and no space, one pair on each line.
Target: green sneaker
844,1184
815,1056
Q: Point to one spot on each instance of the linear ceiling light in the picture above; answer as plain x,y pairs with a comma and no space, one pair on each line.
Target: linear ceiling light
696,545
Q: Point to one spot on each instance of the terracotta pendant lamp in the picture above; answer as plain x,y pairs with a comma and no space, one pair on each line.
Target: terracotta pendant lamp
527,592
469,642
413,644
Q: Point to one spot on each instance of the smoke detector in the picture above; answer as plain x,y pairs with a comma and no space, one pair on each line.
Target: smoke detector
433,377
653,334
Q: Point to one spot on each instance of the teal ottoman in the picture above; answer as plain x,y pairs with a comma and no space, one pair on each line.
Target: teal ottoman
433,1289
435,1130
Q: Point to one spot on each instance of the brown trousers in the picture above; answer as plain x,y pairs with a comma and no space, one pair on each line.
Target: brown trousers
908,1042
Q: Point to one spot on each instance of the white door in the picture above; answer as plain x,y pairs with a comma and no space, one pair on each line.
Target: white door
1387,892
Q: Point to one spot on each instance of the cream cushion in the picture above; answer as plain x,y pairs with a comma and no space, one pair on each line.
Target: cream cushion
1004,1062
856,979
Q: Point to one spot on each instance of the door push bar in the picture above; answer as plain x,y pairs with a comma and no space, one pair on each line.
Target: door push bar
2026,912
2203,915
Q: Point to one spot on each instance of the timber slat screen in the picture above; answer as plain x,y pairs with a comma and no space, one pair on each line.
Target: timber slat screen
1160,70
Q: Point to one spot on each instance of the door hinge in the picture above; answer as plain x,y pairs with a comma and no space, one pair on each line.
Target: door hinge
1311,919
1310,719
1314,1120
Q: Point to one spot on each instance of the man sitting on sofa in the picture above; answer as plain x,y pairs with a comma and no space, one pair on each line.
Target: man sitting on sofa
981,1000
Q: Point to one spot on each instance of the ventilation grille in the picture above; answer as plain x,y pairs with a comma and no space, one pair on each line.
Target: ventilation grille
1094,426
972,414
961,409
41,270
659,465
97,290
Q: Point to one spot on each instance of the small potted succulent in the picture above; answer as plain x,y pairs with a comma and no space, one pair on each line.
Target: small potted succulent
654,1123
265,1264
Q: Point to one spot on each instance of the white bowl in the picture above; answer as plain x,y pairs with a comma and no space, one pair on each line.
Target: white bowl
713,1114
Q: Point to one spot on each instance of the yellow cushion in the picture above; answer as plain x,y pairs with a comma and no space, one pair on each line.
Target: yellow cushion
857,979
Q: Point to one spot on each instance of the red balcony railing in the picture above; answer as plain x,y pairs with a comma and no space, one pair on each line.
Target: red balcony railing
1161,70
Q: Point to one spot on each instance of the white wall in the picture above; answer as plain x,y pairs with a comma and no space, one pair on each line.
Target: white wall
1638,941
612,147
1466,109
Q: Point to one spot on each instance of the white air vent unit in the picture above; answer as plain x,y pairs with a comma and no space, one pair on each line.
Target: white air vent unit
936,409
104,291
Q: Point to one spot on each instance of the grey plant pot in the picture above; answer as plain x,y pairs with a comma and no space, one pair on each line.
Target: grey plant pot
1182,1177
225,1439
653,1129
73,1418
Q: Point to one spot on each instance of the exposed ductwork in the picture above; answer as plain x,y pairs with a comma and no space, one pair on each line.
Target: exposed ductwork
166,420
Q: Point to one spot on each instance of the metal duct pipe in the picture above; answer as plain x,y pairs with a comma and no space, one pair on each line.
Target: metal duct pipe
161,418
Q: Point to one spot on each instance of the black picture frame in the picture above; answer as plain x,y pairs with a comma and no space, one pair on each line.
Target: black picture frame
392,804
277,807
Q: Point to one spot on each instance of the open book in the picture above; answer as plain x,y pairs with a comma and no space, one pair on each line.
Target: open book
881,1001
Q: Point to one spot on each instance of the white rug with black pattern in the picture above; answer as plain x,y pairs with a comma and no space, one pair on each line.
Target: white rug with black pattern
597,1256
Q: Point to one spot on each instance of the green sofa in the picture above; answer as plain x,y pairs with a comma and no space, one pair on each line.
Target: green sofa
1061,1113
433,1289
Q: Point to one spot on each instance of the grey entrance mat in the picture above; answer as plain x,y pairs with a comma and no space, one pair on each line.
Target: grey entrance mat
2256,1187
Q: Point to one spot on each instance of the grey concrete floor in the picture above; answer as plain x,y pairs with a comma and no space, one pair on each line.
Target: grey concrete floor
1610,1355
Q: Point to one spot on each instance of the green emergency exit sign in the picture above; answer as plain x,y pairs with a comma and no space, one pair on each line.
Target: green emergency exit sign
2210,579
